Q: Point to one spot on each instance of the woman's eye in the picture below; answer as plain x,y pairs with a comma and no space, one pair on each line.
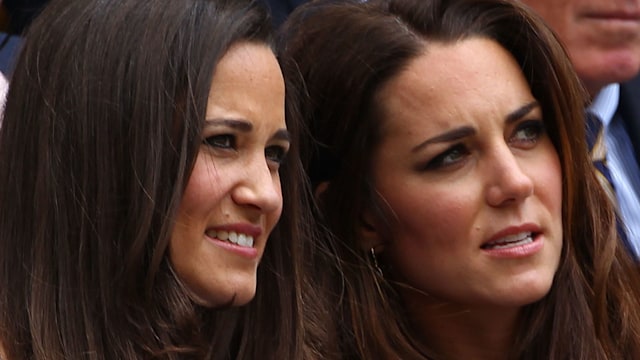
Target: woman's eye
275,154
527,133
451,156
225,141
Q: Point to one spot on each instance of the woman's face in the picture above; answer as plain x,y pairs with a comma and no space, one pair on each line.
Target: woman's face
233,198
472,182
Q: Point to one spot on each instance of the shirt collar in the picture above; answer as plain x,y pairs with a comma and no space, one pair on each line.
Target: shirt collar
606,102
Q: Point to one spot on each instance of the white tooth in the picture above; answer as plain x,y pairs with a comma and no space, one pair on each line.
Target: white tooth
524,241
233,237
242,239
514,238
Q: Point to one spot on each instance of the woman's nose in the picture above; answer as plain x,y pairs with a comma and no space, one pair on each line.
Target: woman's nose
259,187
509,181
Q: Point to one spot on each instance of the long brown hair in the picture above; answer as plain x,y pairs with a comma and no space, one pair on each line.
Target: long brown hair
342,53
102,125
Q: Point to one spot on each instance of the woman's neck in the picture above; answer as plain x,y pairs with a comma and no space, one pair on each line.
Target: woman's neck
457,332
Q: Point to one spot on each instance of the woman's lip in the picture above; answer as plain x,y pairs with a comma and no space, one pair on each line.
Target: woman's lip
251,253
528,245
631,16
519,251
244,228
513,230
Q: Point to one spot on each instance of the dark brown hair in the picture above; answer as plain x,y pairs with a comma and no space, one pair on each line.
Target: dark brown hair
102,125
342,52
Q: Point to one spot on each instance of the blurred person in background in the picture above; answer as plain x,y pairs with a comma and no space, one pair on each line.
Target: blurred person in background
603,41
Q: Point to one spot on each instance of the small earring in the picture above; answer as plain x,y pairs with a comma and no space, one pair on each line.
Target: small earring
374,260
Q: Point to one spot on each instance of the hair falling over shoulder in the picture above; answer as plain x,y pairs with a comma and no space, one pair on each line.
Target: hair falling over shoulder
101,128
338,54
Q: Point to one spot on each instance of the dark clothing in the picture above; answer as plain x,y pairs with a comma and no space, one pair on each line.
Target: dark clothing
280,9
22,12
9,48
629,112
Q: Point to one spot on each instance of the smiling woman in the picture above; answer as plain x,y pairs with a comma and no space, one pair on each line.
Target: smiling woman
233,198
447,154
146,158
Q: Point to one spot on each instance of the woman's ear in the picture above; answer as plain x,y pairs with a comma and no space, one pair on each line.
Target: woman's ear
320,189
370,232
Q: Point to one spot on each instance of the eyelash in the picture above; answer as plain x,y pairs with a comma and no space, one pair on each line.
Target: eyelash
444,159
224,141
275,154
538,128
534,128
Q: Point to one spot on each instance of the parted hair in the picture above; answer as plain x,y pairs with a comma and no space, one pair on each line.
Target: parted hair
102,125
341,53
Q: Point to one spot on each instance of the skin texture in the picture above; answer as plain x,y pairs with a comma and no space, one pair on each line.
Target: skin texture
454,174
601,36
235,185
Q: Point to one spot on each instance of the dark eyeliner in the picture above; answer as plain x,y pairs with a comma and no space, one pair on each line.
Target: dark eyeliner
279,157
221,141
535,125
458,150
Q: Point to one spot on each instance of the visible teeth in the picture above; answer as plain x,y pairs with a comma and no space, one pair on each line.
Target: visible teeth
511,241
518,243
233,237
243,240
513,238
240,239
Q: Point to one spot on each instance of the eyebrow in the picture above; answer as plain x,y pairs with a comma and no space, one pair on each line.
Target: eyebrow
465,131
245,127
241,125
282,134
521,112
